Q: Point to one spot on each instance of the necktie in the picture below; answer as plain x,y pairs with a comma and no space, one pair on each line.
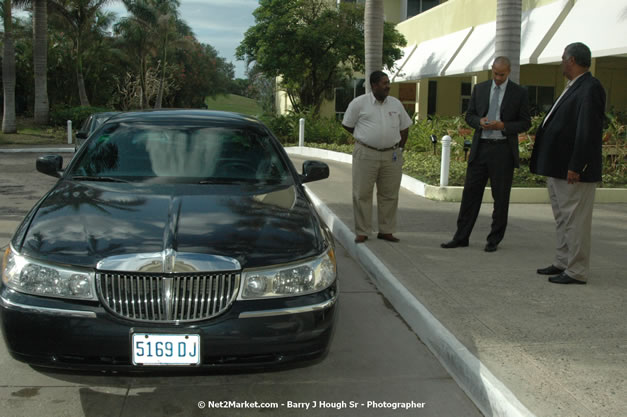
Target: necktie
494,104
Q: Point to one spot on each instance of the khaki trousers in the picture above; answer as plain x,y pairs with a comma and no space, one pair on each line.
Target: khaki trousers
572,208
372,167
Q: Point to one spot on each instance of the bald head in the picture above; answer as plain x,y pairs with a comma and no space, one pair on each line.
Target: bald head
501,69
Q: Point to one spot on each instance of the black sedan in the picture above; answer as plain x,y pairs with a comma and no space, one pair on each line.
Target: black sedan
173,239
90,125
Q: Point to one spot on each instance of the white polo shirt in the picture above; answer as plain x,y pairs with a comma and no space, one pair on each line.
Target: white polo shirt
376,124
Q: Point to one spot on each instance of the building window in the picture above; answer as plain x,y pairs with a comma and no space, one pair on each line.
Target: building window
432,98
415,7
466,89
344,95
540,99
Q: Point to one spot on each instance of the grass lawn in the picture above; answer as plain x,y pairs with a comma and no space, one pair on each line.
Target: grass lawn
234,103
30,134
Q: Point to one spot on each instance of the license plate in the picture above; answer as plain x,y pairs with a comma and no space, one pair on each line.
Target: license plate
166,349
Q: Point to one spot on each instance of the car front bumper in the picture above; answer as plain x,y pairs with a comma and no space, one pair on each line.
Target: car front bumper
84,336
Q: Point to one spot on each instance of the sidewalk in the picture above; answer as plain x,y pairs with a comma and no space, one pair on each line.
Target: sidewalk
515,343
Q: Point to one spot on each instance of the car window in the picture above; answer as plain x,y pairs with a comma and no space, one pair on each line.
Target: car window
85,127
190,153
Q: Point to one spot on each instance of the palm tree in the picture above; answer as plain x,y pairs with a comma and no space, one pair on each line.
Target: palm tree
159,19
81,16
8,71
40,57
508,15
373,37
134,39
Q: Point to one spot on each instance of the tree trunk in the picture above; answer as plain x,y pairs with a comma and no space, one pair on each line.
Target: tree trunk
82,93
143,97
508,16
373,38
8,73
162,80
40,61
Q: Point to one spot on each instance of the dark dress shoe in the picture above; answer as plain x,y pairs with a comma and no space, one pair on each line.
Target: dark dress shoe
550,270
490,247
361,238
454,244
388,236
565,279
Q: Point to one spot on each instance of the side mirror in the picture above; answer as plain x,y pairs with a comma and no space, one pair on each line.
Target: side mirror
81,135
50,165
314,171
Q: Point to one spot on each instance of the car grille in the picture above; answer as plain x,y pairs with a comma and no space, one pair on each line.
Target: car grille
177,298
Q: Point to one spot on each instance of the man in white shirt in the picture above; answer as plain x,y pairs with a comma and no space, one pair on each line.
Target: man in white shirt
380,126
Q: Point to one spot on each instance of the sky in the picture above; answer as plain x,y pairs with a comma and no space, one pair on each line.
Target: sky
219,23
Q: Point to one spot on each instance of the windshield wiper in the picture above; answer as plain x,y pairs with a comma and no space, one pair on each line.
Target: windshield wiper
95,178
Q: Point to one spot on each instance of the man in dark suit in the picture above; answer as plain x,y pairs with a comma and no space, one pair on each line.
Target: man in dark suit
498,112
567,150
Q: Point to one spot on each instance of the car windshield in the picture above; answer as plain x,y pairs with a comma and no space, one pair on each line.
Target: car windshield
200,154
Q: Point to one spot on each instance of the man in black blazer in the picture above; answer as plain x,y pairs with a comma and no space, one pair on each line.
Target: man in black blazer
498,112
567,150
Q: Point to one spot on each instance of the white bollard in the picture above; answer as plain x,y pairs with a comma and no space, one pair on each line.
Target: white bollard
301,132
69,132
446,160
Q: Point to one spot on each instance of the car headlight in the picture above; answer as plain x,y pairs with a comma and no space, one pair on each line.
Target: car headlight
290,280
39,278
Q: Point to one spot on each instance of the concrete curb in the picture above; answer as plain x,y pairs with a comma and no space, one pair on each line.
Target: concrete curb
451,193
37,150
488,393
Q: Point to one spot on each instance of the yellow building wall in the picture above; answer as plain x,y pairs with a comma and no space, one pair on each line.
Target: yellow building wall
453,16
392,10
612,72
543,75
327,109
449,100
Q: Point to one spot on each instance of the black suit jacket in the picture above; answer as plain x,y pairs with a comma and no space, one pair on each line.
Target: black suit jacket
514,115
571,138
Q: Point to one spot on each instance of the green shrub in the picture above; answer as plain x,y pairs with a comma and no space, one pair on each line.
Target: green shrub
281,126
60,115
317,129
422,164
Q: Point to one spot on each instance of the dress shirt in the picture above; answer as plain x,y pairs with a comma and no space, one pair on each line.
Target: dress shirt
376,124
496,134
568,85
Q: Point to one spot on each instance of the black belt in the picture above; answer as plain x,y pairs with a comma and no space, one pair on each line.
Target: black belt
378,149
493,141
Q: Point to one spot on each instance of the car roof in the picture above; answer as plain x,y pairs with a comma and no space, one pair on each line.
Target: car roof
172,115
105,114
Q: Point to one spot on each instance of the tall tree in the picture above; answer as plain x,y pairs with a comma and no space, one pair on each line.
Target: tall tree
373,38
135,40
40,57
160,20
312,46
80,16
167,16
8,70
508,26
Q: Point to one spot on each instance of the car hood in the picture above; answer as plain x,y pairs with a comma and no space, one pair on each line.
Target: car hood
80,223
